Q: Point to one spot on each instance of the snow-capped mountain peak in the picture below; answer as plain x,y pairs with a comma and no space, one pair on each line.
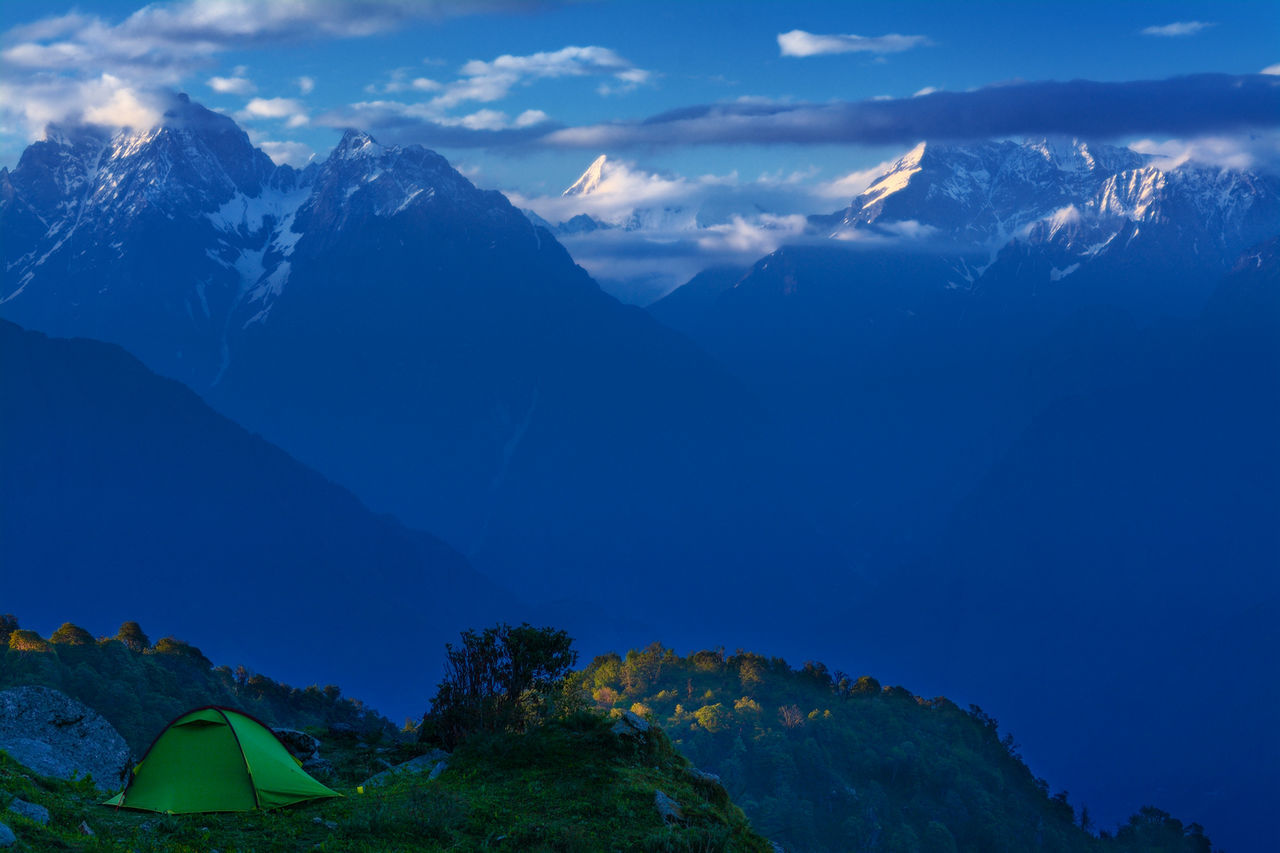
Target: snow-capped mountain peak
983,195
103,211
590,180
897,178
355,144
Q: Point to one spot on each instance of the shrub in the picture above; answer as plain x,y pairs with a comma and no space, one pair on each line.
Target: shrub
71,635
503,679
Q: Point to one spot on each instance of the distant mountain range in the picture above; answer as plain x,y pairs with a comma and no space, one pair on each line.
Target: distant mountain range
895,442
410,336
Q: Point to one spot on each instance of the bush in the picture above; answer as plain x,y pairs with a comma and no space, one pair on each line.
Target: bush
503,679
71,635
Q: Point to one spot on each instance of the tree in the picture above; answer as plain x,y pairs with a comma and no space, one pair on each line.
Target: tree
22,640
713,718
504,679
131,635
8,624
791,715
71,635
181,650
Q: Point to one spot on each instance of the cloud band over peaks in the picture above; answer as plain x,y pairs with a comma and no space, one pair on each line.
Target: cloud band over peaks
1180,106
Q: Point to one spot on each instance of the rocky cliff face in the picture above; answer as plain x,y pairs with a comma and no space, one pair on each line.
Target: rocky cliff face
57,736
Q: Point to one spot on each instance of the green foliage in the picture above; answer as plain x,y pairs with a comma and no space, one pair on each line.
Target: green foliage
822,761
22,640
182,650
71,635
503,679
1154,831
8,624
134,639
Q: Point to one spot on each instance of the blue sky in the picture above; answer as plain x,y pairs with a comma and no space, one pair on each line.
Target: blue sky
523,94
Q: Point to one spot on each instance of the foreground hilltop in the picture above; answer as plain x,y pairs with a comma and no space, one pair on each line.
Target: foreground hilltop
818,761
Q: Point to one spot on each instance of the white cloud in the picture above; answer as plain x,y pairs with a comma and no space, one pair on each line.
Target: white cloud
529,118
123,108
484,120
231,85
669,227
289,109
1259,150
306,85
293,153
760,236
398,81
851,185
106,99
801,43
927,90
62,61
493,80
1271,69
1178,28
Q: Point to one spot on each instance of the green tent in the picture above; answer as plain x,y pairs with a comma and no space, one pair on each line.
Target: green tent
217,760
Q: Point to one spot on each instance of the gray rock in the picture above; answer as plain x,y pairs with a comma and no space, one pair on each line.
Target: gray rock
316,764
667,808
777,848
438,769
432,762
343,730
31,811
85,829
54,735
7,838
631,724
704,775
301,745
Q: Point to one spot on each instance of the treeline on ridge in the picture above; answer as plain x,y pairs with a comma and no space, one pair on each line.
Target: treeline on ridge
140,686
823,761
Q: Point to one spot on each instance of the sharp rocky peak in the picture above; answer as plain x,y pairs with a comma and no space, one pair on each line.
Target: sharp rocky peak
590,180
355,144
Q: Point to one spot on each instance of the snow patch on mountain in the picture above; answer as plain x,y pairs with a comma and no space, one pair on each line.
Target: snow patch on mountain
243,214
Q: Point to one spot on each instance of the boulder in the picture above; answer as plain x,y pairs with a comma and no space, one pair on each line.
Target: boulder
433,762
31,811
301,745
631,724
667,808
344,731
315,765
54,735
7,838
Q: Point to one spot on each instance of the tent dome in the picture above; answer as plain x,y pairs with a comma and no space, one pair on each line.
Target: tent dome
217,760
